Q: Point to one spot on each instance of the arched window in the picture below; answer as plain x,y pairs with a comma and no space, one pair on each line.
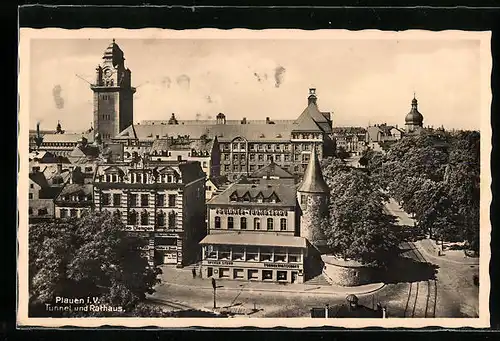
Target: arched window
270,223
132,218
144,218
230,222
217,222
256,223
161,219
243,223
283,224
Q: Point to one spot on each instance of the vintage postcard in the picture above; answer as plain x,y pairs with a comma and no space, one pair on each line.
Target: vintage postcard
210,178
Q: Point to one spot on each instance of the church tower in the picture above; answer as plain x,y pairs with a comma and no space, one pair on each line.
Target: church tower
113,94
414,120
312,196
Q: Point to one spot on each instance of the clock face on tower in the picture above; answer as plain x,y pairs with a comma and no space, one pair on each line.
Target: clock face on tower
107,73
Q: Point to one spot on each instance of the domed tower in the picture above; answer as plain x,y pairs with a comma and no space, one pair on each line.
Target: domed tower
113,94
312,196
414,119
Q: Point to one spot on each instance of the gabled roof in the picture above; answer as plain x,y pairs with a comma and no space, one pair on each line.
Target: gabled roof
271,170
312,119
313,181
39,178
72,189
305,123
284,192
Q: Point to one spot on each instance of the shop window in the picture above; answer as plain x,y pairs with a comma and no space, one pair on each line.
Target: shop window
211,252
224,273
293,258
253,274
266,255
280,257
230,222
281,275
270,224
238,253
256,223
238,273
267,275
224,253
217,222
243,223
283,224
252,254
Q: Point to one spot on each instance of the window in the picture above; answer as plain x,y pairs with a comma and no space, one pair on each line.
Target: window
235,146
238,273
306,157
144,218
224,253
281,275
63,213
230,222
269,157
179,157
105,199
171,200
204,164
132,218
88,169
253,274
118,214
252,254
171,220
132,200
279,255
226,168
31,195
235,168
252,168
238,253
256,223
270,223
224,273
267,275
283,224
117,198
161,219
261,157
31,186
278,158
243,223
269,146
73,213
211,252
266,254
217,222
161,200
252,157
144,200
42,211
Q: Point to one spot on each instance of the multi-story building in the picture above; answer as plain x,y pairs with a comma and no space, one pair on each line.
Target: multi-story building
350,139
383,133
76,195
163,202
246,145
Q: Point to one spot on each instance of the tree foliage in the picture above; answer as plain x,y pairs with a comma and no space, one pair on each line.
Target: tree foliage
357,227
435,177
91,256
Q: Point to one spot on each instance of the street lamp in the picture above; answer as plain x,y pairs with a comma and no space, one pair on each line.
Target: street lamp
214,286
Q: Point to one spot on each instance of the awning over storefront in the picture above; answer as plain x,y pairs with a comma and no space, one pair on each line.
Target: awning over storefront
254,239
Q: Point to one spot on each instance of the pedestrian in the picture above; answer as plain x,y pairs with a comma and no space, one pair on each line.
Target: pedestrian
194,272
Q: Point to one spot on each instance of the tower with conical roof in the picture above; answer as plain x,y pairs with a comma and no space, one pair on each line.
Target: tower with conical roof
312,195
414,120
113,94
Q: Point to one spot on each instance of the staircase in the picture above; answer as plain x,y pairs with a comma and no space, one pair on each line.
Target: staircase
319,280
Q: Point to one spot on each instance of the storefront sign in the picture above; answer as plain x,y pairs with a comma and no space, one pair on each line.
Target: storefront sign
219,262
278,265
242,211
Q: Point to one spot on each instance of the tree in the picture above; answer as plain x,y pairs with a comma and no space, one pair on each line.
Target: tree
342,153
88,256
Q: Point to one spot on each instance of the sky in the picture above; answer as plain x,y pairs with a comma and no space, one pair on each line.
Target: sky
361,81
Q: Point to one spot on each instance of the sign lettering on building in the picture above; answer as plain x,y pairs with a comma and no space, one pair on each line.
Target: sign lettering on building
219,262
277,265
242,211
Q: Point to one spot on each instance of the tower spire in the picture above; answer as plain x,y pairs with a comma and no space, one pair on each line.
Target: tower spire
313,178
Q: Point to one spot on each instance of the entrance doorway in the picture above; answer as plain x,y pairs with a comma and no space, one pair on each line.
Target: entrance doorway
210,272
294,276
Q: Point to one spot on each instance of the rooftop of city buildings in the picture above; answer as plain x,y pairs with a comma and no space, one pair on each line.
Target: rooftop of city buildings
186,142
264,194
257,239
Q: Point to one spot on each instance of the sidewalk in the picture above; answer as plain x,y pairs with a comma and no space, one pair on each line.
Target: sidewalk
429,249
182,278
402,217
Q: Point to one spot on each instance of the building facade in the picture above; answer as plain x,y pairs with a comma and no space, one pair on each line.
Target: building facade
253,230
247,145
113,94
162,202
350,139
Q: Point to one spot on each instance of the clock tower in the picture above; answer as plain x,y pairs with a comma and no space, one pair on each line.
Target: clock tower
113,94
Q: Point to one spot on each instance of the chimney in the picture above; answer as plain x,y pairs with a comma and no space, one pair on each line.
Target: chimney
267,120
312,96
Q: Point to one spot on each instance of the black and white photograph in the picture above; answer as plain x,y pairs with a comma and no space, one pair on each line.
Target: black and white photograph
259,178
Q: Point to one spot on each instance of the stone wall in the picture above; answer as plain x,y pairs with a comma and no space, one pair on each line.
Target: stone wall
347,273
